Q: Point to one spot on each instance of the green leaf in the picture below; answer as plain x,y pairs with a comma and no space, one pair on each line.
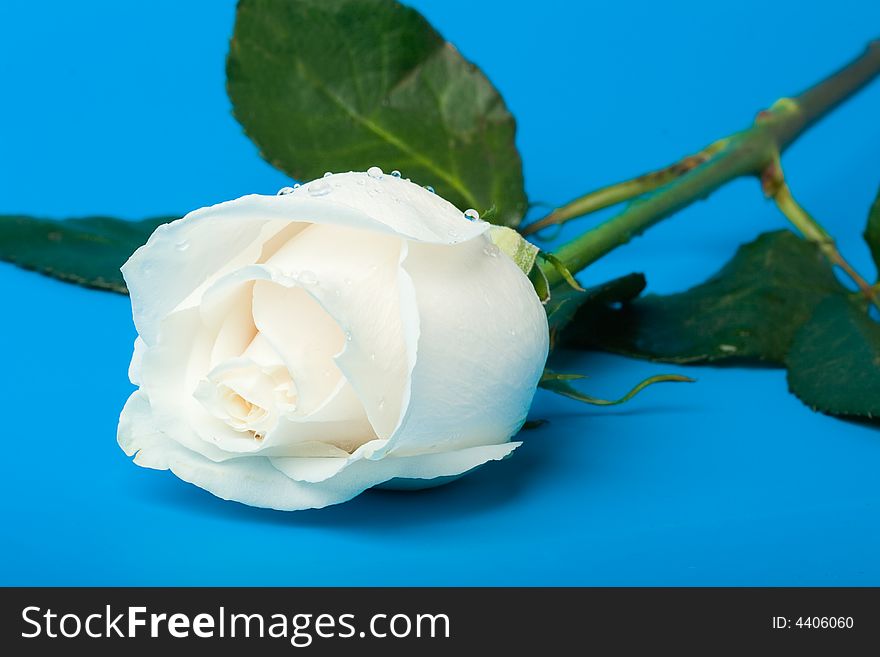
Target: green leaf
872,232
834,361
330,85
750,310
566,301
86,251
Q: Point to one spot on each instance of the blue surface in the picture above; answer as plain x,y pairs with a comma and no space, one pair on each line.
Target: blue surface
119,108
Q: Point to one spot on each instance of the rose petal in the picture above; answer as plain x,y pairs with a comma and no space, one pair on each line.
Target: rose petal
357,278
137,432
161,276
358,200
330,406
134,368
311,469
182,258
251,383
255,481
226,313
474,380
340,421
305,337
170,371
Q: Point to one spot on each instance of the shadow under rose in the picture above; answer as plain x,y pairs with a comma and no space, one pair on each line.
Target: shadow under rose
494,485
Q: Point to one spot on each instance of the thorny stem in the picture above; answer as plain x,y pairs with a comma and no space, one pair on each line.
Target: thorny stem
744,153
619,192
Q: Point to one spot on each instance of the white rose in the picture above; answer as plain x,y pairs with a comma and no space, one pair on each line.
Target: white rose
295,350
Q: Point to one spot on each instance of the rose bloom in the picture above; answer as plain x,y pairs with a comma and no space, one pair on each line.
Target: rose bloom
295,350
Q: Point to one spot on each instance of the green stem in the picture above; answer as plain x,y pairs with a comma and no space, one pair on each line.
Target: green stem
745,153
593,201
622,191
775,187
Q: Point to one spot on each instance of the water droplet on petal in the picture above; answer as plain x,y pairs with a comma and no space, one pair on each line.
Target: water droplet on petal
307,277
284,191
395,173
471,215
347,281
374,172
348,336
453,234
319,187
360,181
182,245
512,332
381,404
327,174
430,189
373,356
337,292
296,185
491,250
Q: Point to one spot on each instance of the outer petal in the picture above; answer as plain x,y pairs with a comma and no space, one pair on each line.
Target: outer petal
183,257
483,344
256,481
170,370
134,368
161,275
137,433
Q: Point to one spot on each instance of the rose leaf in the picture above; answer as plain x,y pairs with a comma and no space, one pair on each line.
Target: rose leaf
331,85
872,231
87,251
748,311
834,361
565,301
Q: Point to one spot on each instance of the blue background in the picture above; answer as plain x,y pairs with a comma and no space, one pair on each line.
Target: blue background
119,108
